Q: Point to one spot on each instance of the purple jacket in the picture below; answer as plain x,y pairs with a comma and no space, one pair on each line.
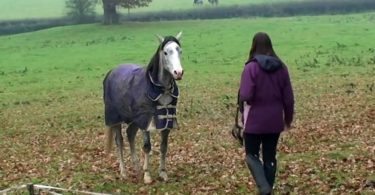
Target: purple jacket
266,86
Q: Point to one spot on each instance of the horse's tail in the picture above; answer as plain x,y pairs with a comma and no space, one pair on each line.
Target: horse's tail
109,140
105,87
109,132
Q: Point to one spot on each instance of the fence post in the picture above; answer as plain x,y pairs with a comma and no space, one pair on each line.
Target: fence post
30,188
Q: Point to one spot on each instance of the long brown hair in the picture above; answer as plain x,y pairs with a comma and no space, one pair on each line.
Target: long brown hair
262,45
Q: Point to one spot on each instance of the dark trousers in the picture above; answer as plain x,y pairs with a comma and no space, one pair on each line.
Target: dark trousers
268,142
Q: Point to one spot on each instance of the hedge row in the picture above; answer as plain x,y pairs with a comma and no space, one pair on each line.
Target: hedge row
21,26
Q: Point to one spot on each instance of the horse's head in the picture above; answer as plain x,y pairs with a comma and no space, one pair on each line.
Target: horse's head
170,55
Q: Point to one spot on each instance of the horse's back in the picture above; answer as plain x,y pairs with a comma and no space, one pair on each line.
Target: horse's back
124,71
122,76
123,89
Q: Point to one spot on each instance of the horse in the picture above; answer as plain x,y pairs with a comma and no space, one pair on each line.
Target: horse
144,98
213,2
198,2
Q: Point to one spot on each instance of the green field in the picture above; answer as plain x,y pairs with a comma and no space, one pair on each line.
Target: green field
51,110
28,9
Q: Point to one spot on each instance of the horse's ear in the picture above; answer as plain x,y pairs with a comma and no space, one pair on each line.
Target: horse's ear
178,36
160,38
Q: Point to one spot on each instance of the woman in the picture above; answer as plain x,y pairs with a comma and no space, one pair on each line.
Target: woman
266,88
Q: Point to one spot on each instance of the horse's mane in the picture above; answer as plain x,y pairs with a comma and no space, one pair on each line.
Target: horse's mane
152,67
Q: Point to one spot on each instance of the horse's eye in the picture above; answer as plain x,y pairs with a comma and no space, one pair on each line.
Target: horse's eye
179,50
165,53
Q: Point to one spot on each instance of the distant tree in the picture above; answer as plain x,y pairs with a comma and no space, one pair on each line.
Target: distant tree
130,4
81,10
110,12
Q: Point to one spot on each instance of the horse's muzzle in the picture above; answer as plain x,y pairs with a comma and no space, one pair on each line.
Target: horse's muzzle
178,75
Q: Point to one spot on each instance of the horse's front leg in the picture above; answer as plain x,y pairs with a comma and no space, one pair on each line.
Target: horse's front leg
131,132
146,150
119,148
163,154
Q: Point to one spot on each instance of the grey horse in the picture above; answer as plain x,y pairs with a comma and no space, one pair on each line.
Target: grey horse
146,99
213,2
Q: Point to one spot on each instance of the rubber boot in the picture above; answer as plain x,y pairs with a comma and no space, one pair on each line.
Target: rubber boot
256,168
270,172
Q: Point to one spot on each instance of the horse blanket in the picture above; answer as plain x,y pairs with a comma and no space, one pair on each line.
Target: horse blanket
131,96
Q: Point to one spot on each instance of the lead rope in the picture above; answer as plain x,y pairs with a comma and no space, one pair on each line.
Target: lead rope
237,130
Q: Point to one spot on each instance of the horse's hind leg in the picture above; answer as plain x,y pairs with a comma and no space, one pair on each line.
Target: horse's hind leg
119,148
146,150
163,153
131,132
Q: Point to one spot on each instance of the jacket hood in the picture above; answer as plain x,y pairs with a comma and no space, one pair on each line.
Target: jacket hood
268,63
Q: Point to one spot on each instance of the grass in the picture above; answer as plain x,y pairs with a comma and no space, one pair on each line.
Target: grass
31,9
51,108
24,9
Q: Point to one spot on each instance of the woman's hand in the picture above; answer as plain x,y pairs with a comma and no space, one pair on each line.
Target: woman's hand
288,127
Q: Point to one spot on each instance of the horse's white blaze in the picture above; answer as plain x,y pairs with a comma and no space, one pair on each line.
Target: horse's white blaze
172,59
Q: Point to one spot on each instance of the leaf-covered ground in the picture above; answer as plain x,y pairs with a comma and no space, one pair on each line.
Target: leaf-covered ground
51,111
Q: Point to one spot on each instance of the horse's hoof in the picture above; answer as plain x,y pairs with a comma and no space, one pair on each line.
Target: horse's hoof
147,178
163,175
122,173
123,177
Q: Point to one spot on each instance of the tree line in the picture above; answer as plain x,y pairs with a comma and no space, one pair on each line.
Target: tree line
84,10
277,9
